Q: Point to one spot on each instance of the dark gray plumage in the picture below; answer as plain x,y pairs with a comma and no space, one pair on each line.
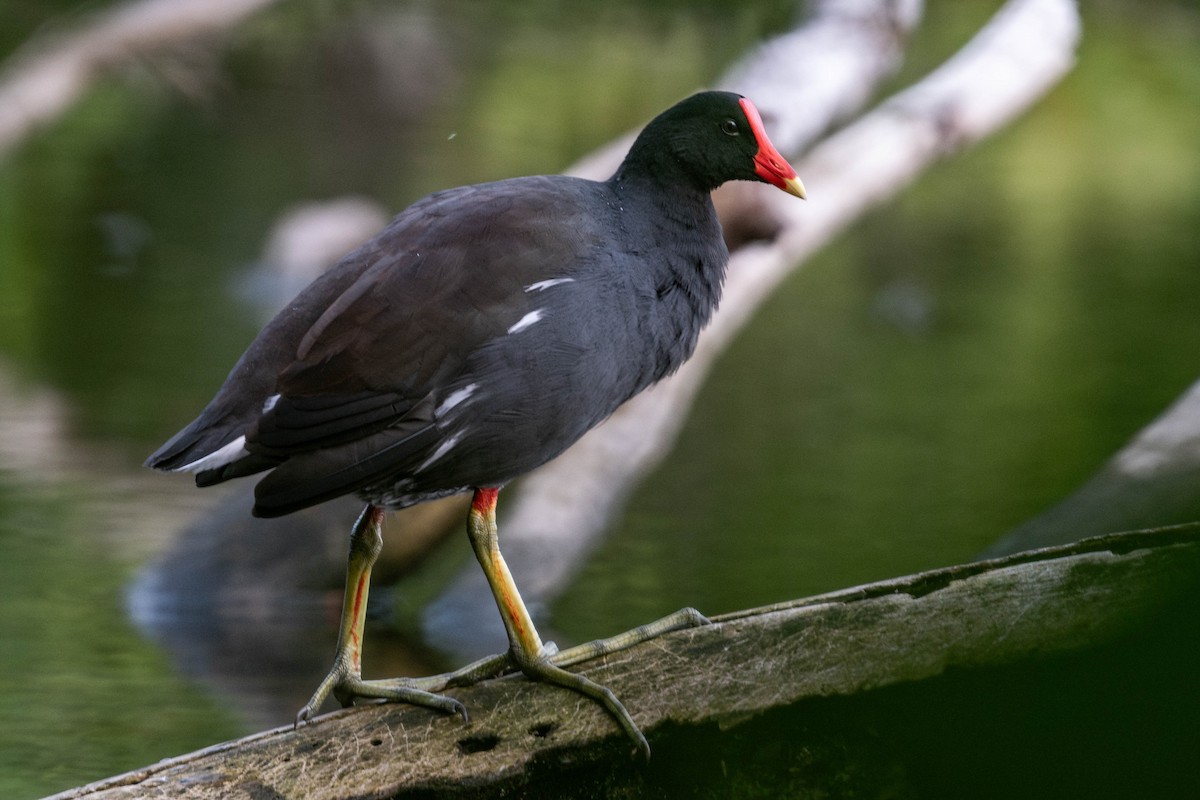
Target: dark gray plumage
483,331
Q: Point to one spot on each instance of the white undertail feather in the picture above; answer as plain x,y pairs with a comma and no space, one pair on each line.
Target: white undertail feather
218,458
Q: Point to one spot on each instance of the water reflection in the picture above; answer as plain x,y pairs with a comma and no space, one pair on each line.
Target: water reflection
250,607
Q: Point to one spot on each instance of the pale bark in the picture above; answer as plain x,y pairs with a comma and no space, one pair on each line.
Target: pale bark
52,71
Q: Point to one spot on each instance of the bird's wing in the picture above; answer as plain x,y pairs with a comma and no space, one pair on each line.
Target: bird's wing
344,386
456,276
213,440
394,344
324,474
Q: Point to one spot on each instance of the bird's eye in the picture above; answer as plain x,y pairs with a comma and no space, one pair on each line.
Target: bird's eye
729,127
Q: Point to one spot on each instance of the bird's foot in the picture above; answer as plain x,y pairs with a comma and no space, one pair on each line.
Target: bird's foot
347,685
542,668
549,665
344,683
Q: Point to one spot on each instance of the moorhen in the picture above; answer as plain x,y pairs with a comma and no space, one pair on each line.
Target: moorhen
481,333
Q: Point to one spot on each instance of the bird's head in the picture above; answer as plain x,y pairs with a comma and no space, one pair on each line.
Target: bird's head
716,137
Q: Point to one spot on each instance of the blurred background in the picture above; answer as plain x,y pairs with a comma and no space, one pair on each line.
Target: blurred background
956,363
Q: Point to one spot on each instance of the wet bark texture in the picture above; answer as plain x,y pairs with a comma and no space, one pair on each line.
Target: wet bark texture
718,689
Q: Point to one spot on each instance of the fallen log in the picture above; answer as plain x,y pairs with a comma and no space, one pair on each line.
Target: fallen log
524,737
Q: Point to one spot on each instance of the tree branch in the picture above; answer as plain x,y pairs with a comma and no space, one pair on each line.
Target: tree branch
52,72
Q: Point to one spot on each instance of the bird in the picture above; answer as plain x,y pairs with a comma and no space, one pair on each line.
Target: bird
479,334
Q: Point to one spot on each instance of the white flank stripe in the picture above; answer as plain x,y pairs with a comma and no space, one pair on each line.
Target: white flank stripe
524,322
218,458
442,449
270,402
542,286
455,398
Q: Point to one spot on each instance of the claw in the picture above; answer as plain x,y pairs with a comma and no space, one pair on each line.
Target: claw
459,709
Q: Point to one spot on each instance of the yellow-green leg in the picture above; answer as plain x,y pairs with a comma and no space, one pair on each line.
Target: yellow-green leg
526,651
344,680
525,647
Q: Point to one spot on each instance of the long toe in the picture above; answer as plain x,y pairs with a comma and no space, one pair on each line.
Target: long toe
682,619
398,691
348,688
543,669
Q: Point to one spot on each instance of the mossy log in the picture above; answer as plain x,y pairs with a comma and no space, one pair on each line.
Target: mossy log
1004,611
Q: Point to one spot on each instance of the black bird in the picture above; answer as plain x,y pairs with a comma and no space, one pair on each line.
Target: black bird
480,334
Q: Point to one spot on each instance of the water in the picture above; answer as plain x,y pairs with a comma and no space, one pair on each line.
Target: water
952,366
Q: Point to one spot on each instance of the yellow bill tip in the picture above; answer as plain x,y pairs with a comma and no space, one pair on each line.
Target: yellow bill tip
793,185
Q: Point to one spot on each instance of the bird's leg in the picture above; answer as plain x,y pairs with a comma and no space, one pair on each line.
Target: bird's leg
344,680
525,646
526,650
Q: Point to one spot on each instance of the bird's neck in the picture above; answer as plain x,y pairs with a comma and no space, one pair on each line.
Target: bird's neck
677,232
664,193
659,172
